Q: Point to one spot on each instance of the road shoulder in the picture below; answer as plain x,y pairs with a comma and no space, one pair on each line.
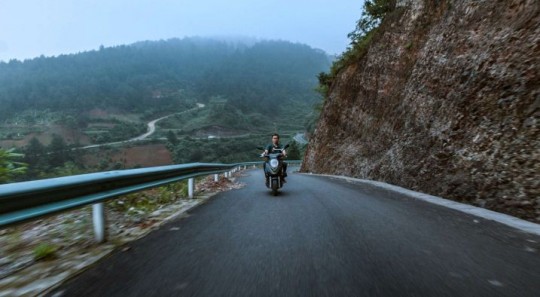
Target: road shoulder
505,219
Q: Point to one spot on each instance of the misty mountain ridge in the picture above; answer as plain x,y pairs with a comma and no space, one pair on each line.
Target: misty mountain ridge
233,41
250,75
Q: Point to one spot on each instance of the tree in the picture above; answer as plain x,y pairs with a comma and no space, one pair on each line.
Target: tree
58,153
373,14
34,151
9,168
35,155
293,152
171,137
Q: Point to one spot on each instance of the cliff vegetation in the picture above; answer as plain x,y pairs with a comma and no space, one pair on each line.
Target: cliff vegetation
439,96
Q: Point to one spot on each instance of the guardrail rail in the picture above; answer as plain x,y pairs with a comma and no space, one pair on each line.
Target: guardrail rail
24,201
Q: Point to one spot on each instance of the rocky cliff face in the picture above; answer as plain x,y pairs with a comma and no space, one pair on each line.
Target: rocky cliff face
446,101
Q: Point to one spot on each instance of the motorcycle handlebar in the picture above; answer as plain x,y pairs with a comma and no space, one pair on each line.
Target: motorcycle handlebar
262,156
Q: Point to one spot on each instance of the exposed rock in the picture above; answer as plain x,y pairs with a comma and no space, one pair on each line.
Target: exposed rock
446,101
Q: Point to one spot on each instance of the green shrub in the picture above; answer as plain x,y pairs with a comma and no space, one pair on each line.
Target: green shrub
409,45
151,200
9,168
45,251
366,27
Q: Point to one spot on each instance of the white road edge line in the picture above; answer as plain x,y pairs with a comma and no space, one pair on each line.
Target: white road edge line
505,219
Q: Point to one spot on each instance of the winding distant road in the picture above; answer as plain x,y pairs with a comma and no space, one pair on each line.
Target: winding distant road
320,237
151,130
300,138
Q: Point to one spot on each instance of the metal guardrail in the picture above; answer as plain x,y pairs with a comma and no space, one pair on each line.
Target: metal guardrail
24,201
261,162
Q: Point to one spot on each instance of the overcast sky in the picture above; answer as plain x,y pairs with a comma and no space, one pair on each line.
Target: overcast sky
29,28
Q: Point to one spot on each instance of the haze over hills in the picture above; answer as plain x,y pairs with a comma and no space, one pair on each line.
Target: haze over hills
251,77
224,94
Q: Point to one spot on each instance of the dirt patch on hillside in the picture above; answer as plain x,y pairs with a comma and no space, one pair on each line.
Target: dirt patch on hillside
129,157
110,114
71,136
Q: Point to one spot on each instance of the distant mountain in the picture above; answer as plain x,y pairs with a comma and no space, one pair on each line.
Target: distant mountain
249,76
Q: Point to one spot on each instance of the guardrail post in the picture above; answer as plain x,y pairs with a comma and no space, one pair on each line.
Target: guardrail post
98,213
66,188
191,187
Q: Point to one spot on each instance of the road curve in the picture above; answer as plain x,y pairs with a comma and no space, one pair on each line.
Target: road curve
320,237
151,130
300,138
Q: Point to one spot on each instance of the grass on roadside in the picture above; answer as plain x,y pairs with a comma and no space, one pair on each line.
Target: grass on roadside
45,251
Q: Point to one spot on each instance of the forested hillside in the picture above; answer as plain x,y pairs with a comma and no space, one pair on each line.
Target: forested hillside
244,92
158,74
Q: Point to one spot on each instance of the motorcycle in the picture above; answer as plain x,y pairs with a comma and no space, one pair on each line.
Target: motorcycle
273,169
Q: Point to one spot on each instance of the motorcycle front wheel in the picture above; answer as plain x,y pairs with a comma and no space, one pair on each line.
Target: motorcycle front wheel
275,187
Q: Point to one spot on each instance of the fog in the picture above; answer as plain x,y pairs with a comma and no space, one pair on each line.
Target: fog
33,28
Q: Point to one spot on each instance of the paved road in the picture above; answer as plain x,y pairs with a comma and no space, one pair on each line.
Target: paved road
300,138
152,125
320,237
151,130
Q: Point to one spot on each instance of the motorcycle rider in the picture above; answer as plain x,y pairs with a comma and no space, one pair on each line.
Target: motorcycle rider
276,145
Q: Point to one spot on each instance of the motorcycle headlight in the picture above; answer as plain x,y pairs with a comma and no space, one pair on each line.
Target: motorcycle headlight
274,163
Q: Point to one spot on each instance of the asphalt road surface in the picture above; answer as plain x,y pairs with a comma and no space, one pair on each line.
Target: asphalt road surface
320,237
300,138
150,130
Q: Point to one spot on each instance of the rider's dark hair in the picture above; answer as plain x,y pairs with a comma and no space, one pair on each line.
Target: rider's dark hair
275,134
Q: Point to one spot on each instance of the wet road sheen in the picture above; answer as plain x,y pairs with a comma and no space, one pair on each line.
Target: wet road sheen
320,237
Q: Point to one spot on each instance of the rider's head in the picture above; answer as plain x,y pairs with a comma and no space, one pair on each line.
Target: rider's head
275,139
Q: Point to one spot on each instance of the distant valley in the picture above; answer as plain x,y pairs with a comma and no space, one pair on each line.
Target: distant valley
215,95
